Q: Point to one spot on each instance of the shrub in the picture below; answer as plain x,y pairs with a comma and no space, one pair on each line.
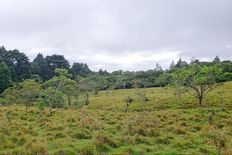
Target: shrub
219,138
87,150
36,148
102,142
128,100
81,134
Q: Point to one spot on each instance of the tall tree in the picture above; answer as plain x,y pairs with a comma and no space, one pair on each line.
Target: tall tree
5,77
41,68
56,61
158,68
80,69
19,65
172,65
216,60
181,64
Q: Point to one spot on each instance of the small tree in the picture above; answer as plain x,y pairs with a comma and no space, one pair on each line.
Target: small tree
41,104
75,93
30,91
128,100
143,97
3,101
86,88
86,99
5,76
179,86
53,98
63,83
197,80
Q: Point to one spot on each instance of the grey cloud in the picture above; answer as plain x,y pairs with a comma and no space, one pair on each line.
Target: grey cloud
82,30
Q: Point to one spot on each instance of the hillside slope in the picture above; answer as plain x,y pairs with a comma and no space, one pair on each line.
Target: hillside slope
162,125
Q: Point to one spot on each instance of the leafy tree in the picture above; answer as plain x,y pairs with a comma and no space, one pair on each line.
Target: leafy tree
56,61
62,72
11,95
101,72
179,85
163,80
30,91
172,65
41,68
86,88
216,60
181,64
198,80
158,67
5,77
53,98
80,69
86,98
3,100
62,83
194,61
18,64
143,97
41,104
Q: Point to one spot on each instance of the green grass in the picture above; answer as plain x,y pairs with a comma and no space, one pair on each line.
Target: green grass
164,126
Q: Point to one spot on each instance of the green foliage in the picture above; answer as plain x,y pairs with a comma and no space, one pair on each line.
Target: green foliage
41,104
18,64
163,80
41,68
64,84
29,92
54,98
198,80
5,77
80,69
62,72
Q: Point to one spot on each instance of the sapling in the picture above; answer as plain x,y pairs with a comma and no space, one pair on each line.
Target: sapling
128,100
143,97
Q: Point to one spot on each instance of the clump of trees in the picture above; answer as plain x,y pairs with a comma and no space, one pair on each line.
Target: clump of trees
54,93
17,68
22,81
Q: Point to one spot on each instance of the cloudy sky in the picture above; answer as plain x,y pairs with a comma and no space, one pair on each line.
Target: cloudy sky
119,34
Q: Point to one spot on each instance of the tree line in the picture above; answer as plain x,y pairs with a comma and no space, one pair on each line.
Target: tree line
15,67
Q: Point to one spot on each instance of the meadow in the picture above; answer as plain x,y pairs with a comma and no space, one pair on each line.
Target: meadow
162,125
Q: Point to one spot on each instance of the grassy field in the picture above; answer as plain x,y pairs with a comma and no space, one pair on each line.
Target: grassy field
164,126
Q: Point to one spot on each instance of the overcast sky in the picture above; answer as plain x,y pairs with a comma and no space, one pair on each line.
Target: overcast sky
119,34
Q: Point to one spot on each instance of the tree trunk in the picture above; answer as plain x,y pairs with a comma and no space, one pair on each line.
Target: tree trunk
50,111
200,101
126,108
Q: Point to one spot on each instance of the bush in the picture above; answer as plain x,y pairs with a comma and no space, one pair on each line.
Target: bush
102,142
87,150
36,148
81,134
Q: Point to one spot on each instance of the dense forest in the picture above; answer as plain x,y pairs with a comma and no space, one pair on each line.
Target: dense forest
16,67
